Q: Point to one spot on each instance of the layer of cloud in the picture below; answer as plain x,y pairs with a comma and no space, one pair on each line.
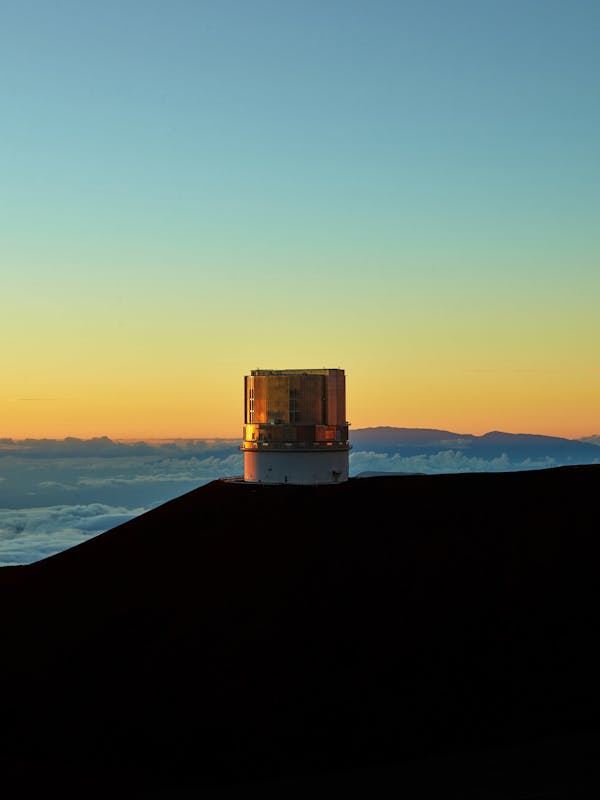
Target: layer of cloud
592,439
55,494
103,447
30,534
438,463
30,480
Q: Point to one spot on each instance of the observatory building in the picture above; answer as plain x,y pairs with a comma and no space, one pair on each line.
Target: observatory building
295,427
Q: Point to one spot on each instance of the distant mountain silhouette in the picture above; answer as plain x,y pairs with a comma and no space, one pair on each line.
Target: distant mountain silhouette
386,435
591,440
517,446
435,632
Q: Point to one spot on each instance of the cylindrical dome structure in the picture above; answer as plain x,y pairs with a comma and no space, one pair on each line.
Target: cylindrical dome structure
295,428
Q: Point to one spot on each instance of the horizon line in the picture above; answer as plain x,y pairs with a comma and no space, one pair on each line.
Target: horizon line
225,438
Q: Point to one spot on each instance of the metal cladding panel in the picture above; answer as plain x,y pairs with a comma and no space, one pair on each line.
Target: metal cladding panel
250,432
260,399
305,433
336,397
311,393
326,433
272,398
276,433
278,398
341,398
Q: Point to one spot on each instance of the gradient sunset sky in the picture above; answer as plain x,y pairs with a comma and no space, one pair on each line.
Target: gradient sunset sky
407,190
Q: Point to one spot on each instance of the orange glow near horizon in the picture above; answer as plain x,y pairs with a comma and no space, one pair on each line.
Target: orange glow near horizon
466,371
480,403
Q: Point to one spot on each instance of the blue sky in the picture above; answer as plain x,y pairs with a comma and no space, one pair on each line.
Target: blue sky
238,184
294,110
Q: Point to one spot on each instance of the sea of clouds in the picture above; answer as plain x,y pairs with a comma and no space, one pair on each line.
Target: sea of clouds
55,494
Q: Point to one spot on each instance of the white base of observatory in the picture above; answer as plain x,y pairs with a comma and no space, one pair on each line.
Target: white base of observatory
277,466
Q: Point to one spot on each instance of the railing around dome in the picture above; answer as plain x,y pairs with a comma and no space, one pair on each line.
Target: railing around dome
290,446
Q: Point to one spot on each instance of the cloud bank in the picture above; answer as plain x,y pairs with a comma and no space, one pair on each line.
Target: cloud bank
57,493
592,439
30,534
442,462
54,494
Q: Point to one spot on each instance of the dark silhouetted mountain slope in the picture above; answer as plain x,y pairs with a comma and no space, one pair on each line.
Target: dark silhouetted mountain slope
405,628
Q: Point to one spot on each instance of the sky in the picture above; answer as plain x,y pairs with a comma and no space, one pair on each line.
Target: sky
407,190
